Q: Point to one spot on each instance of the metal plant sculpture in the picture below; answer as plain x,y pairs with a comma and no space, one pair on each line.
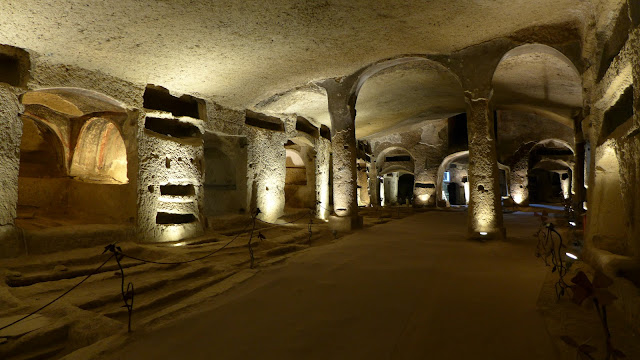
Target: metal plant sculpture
584,289
551,249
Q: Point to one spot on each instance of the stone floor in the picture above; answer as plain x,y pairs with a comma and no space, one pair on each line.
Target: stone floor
410,289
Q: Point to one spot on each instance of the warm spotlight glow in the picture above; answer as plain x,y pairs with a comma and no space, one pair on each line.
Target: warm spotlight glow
572,256
174,233
467,193
566,185
175,199
424,197
518,197
270,197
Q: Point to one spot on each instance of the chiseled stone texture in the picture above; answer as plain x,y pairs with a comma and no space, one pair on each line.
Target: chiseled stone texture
344,172
224,120
45,74
363,183
165,160
518,176
323,190
241,51
10,135
484,204
628,152
266,171
607,224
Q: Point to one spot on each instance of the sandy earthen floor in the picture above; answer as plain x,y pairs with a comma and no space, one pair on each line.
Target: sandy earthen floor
410,289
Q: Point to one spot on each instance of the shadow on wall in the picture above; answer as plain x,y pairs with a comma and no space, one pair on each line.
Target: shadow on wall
225,180
607,229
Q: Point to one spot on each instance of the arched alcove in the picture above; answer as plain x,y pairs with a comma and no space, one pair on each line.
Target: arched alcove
405,188
403,91
550,171
296,168
395,158
391,163
299,188
455,186
74,160
536,78
100,155
41,150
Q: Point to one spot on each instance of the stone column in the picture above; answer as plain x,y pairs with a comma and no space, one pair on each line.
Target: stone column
343,142
393,188
374,184
424,187
565,183
364,197
519,181
578,189
485,207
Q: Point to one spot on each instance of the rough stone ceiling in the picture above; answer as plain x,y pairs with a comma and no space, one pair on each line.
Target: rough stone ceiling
242,52
414,92
530,78
537,76
399,95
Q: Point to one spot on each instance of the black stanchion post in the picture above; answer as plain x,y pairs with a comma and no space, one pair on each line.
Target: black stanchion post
127,295
251,237
310,224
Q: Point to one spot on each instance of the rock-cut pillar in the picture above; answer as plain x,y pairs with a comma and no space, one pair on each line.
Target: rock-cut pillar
11,132
485,207
519,181
578,189
343,143
374,185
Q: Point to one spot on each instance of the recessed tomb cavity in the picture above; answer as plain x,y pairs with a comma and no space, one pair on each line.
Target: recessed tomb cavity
172,127
165,218
177,190
263,121
159,98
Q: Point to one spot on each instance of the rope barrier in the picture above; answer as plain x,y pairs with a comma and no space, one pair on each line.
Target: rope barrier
61,296
251,238
128,293
187,261
284,223
127,296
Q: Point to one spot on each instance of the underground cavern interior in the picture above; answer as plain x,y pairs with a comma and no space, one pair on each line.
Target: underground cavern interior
330,179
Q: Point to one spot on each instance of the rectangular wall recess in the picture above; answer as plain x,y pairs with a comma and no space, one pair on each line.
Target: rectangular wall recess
263,121
159,98
172,127
619,113
325,132
177,190
305,126
14,65
164,218
397,158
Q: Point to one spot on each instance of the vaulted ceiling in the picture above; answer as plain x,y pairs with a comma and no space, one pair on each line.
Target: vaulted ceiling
242,52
